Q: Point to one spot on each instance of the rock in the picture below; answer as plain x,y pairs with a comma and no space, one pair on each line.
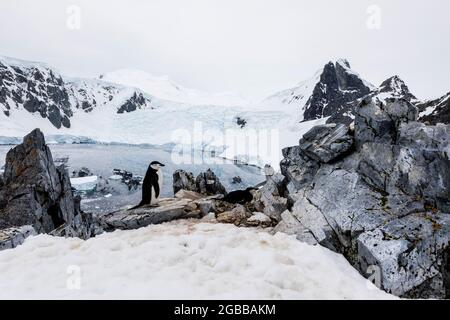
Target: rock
208,183
290,225
168,210
237,216
269,199
83,172
258,219
376,122
185,194
384,205
15,236
236,180
183,180
298,168
36,192
325,143
412,266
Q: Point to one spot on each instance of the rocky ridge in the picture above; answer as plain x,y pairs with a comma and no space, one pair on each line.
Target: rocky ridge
378,193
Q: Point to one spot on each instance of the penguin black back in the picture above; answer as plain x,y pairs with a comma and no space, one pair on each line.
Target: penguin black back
150,182
239,196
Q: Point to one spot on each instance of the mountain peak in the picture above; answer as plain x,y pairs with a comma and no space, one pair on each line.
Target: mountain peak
397,88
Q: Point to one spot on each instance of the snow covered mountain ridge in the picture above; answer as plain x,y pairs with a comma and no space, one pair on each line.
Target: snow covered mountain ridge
124,106
40,89
164,88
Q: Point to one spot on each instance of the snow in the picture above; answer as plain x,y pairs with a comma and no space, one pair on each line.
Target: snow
84,183
179,260
164,88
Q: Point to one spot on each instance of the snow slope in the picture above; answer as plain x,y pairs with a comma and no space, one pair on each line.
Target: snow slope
179,260
164,88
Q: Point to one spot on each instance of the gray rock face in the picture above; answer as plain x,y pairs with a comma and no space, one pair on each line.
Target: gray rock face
168,210
326,142
209,184
36,192
13,237
270,199
183,180
298,168
385,206
378,122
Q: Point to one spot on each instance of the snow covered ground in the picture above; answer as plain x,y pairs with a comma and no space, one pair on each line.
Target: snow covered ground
179,260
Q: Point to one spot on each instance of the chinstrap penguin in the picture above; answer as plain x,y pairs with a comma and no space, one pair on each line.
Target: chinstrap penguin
152,185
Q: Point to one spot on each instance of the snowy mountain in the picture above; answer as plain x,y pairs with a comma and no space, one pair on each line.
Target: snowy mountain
164,88
335,90
435,111
327,93
40,90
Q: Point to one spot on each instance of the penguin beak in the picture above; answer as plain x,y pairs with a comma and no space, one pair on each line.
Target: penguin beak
162,165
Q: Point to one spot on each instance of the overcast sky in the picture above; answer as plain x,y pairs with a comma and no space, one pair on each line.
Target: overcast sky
251,46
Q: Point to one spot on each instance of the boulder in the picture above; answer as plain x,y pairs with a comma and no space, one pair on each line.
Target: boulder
258,219
237,216
326,142
183,180
169,209
15,236
208,183
36,192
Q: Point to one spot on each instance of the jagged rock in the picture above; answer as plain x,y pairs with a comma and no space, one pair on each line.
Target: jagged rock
15,236
385,205
270,198
168,210
378,122
325,143
298,168
208,183
183,180
412,253
36,192
290,225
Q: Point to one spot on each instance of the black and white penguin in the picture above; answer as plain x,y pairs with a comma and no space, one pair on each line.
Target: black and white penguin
152,185
240,196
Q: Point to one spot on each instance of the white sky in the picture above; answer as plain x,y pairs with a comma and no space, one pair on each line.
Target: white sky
255,47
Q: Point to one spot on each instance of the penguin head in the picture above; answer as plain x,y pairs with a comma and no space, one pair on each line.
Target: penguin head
156,165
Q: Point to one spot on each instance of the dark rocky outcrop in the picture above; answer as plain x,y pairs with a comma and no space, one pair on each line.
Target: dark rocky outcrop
40,89
183,180
384,204
39,194
208,183
338,86
326,142
435,111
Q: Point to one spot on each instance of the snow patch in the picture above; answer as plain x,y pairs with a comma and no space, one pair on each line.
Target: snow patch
179,260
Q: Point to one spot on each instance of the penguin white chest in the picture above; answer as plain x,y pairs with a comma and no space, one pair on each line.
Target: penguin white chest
155,199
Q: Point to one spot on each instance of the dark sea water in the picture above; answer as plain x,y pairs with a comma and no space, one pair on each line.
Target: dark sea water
102,159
